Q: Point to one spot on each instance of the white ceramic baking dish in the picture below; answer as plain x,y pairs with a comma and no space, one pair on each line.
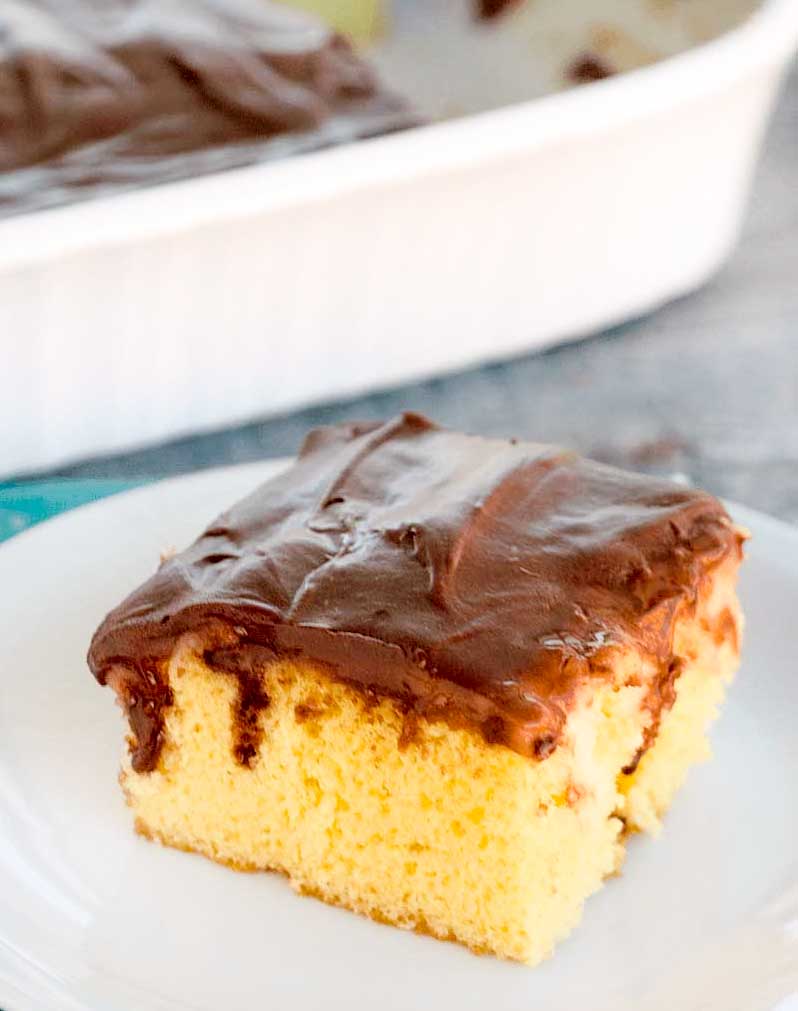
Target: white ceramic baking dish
191,305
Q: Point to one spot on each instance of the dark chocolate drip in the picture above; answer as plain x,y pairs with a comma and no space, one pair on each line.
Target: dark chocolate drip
142,693
244,663
98,95
659,699
474,580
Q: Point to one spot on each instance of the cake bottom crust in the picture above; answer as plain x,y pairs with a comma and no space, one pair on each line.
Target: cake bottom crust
434,830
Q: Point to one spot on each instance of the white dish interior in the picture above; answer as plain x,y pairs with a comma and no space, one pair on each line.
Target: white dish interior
450,64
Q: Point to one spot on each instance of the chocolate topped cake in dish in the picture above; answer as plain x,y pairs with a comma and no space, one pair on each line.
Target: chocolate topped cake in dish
431,677
102,95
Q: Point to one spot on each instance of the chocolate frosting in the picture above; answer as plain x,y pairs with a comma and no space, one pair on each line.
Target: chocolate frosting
476,580
98,95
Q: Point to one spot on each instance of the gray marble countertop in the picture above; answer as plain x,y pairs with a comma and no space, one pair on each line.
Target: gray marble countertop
706,387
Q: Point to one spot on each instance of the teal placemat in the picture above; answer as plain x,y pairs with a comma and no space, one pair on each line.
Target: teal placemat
22,504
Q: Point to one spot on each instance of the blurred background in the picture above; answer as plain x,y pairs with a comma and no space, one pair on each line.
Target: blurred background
704,386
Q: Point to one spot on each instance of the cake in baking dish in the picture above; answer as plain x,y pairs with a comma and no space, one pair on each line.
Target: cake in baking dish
155,91
431,677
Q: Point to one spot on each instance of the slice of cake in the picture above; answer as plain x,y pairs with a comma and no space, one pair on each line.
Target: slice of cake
431,677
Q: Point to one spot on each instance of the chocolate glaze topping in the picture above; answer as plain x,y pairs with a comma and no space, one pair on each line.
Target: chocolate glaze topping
476,580
97,95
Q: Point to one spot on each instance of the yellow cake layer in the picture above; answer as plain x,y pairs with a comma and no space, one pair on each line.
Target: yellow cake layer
443,833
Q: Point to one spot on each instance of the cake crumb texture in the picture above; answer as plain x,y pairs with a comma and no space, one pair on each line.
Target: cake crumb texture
432,828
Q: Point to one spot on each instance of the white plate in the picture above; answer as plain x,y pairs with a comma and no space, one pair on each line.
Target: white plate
92,917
